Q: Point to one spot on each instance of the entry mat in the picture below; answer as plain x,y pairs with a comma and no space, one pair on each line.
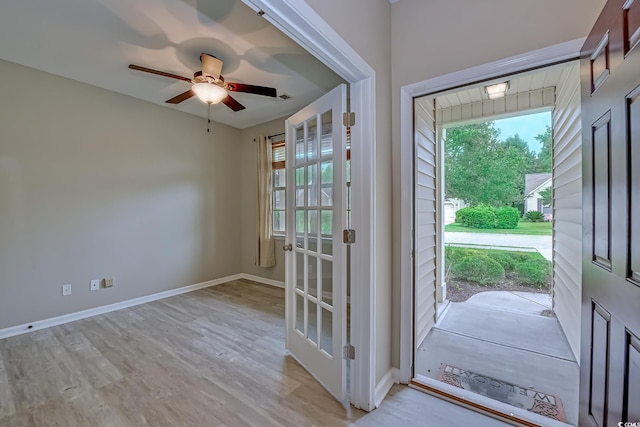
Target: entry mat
544,404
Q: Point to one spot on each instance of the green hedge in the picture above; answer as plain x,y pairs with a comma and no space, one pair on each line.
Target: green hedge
505,259
507,217
480,269
462,215
481,216
488,267
534,272
485,217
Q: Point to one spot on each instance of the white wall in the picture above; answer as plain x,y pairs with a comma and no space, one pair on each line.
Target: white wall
366,26
95,184
567,206
249,196
438,37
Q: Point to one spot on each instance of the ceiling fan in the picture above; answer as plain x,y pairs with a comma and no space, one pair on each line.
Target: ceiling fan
209,85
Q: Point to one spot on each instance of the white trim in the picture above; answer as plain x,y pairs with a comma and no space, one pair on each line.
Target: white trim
537,58
302,24
363,252
263,280
406,237
539,188
78,315
385,384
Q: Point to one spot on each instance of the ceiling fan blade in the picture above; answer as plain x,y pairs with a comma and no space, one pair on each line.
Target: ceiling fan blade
160,73
211,65
182,97
232,103
258,90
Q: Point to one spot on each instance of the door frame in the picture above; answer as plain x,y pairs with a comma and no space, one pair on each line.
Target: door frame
534,59
304,26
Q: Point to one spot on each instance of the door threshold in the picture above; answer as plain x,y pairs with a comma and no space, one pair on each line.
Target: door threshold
484,405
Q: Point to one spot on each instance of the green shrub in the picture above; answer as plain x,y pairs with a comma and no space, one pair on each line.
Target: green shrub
453,255
534,272
507,217
506,259
520,257
462,215
480,269
534,216
481,216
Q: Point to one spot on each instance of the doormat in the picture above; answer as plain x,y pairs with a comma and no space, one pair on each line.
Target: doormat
534,401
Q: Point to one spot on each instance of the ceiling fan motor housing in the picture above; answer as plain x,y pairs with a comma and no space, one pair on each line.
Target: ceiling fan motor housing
199,77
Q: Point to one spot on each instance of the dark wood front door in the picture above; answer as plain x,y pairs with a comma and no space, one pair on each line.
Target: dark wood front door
610,349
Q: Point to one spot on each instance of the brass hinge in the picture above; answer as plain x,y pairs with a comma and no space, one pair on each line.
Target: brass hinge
349,236
348,119
349,352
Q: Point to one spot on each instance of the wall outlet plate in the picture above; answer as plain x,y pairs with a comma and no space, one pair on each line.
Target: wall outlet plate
66,290
108,282
95,284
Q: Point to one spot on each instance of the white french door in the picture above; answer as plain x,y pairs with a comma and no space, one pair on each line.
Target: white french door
316,256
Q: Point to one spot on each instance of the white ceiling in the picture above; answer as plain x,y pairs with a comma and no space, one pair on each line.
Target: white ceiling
521,83
93,41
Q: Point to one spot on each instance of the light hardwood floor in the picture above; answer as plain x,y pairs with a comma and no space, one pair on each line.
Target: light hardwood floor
214,357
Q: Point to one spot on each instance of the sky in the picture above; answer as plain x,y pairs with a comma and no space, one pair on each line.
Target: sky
526,126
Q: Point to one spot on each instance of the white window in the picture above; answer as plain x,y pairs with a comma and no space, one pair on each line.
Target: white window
279,184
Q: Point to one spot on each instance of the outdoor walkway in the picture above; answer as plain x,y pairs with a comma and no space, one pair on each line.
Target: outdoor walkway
543,244
502,335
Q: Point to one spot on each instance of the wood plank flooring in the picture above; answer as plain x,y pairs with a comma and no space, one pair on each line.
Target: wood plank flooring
214,357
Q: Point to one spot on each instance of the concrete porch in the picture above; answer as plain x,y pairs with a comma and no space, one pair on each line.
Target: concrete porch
504,335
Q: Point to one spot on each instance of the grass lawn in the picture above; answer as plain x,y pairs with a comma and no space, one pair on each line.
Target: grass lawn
530,228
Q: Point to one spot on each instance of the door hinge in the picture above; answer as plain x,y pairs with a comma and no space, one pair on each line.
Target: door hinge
349,352
348,119
349,236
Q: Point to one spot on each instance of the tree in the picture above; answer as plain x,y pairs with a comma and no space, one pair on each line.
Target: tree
479,168
543,162
547,196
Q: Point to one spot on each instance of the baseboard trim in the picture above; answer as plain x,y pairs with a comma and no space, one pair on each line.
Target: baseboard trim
71,317
263,280
385,385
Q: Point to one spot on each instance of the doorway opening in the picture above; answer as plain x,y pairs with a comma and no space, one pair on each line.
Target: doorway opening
495,184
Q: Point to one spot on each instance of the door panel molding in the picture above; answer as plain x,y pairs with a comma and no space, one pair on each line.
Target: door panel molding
601,172
599,63
599,366
631,11
630,409
633,147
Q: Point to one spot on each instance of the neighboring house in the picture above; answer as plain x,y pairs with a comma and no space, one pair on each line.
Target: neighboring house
451,206
534,183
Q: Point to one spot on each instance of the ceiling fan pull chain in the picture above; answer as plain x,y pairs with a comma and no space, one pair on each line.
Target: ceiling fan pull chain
208,116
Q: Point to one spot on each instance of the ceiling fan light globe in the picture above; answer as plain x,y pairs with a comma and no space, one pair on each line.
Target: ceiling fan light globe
209,92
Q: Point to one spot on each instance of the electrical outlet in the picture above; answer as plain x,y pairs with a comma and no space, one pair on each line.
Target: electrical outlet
108,282
66,290
95,284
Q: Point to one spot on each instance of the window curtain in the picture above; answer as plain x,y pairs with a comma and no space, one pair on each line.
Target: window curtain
266,247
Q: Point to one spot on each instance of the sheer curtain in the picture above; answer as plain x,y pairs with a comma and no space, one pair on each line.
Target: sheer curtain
265,249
